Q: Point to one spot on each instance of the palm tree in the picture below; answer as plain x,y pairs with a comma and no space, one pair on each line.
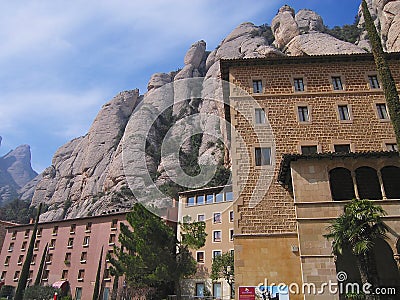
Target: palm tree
357,229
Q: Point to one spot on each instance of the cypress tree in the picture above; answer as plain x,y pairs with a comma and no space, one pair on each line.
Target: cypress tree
23,279
384,73
96,291
41,266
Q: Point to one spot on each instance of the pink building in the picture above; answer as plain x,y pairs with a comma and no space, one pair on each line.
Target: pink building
73,255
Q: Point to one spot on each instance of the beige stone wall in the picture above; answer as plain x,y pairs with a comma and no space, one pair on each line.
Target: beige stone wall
267,258
275,213
315,209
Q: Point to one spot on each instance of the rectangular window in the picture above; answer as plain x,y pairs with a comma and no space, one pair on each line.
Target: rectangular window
86,240
20,260
373,82
219,198
190,201
303,113
23,246
16,275
306,150
88,227
11,247
72,229
26,235
257,86
83,257
107,275
382,111
217,253
55,230
343,112
7,261
200,200
209,198
200,218
217,290
391,147
345,148
298,85
114,223
337,83
64,274
67,258
231,216
37,244
217,236
111,240
45,275
200,289
49,258
52,244
200,257
231,234
229,196
33,261
30,276
70,243
81,275
78,293
217,217
3,275
263,156
39,232
14,235
260,116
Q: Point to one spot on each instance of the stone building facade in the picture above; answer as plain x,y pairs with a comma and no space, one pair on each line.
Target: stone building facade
309,107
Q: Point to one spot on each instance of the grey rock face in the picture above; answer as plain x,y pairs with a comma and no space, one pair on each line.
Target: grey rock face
15,172
318,44
284,26
308,20
80,170
88,175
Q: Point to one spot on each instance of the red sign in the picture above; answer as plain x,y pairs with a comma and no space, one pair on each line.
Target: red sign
247,293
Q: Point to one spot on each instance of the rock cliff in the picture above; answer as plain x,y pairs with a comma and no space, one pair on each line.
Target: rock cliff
87,175
15,172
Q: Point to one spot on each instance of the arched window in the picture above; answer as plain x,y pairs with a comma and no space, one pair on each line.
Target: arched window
341,183
368,183
391,181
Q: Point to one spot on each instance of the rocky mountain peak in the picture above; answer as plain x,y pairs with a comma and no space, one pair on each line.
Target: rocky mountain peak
15,172
87,175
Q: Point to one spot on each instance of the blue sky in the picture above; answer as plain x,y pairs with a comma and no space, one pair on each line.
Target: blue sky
60,61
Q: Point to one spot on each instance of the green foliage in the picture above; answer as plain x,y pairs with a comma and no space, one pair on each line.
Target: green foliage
223,267
348,33
147,256
7,291
40,292
384,73
358,227
23,279
67,205
96,290
194,234
41,266
17,211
